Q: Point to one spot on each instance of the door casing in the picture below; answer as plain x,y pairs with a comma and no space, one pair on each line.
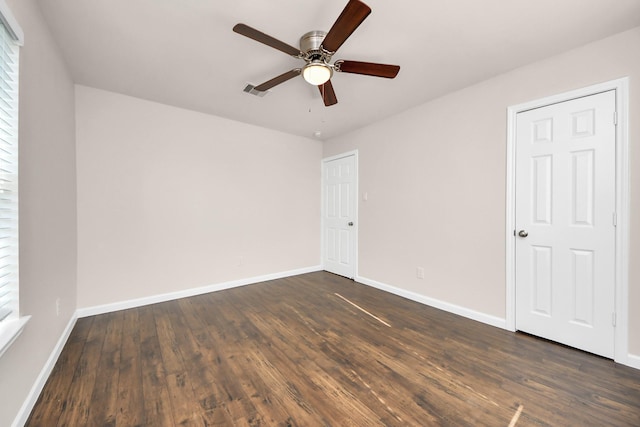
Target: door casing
621,87
356,227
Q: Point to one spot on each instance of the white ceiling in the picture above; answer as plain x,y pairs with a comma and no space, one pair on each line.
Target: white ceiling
184,53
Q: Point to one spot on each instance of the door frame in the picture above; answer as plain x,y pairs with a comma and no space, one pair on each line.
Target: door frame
323,208
621,88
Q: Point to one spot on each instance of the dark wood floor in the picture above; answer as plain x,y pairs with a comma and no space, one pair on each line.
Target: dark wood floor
297,351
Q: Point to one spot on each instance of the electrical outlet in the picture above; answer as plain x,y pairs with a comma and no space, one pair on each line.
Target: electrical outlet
420,273
58,303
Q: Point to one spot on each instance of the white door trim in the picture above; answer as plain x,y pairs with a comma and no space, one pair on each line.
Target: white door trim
621,86
323,207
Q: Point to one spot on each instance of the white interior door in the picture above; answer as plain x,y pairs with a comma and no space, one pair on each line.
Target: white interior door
339,178
565,222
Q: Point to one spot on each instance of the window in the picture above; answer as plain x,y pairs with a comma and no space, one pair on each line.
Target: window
10,38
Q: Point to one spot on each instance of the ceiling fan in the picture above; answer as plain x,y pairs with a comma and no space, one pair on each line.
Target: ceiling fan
317,48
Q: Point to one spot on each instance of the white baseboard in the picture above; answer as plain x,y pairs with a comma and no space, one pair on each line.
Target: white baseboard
432,302
139,302
38,385
632,361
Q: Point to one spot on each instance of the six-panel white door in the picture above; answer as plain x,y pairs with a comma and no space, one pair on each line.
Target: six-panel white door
339,215
565,219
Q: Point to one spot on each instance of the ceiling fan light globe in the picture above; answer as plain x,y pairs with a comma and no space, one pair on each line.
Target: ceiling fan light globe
316,73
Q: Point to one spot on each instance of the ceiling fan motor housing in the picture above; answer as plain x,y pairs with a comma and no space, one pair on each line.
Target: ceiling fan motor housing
310,45
317,71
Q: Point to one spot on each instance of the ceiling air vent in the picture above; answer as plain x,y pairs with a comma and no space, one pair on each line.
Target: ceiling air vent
249,88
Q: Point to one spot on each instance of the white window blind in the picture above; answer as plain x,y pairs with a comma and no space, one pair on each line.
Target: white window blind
11,36
8,175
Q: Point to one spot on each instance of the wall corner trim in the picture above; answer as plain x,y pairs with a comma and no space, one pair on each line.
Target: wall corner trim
432,302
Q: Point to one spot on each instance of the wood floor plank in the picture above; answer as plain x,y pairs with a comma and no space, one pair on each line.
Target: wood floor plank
335,353
273,397
130,396
156,398
228,399
183,403
290,352
387,386
350,366
278,367
53,399
199,361
105,390
78,400
327,374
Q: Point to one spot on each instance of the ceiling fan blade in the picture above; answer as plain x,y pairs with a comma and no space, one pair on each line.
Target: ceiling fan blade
277,80
368,68
328,94
351,17
263,38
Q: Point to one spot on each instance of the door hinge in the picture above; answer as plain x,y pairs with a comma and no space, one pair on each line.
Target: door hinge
613,319
615,219
615,118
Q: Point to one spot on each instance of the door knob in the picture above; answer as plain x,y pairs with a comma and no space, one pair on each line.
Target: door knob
522,233
350,223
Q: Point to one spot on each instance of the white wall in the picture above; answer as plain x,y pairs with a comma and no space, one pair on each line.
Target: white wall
170,199
47,207
435,177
